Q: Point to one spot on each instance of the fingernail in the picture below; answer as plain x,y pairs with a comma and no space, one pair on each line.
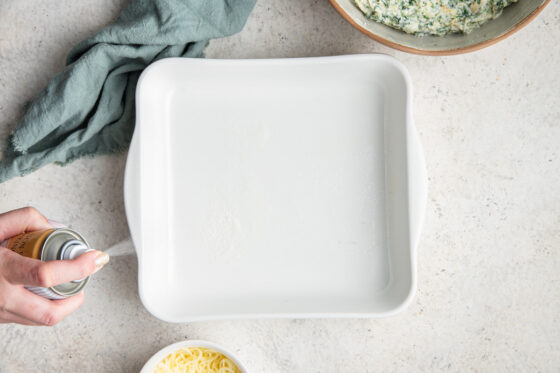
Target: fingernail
56,224
101,259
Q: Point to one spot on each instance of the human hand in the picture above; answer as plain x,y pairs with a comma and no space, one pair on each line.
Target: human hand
19,305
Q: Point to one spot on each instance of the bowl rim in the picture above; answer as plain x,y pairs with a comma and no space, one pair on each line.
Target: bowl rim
444,52
158,356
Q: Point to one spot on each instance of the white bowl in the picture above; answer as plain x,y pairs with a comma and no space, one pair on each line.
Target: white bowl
150,366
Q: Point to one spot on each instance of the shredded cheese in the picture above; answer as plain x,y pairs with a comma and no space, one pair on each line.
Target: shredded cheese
196,360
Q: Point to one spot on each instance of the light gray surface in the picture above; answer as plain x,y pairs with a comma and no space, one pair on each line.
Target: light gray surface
488,266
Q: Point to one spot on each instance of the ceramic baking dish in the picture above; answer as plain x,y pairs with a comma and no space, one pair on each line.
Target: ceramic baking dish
275,188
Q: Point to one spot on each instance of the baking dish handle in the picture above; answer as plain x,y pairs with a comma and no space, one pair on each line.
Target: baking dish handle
132,190
417,185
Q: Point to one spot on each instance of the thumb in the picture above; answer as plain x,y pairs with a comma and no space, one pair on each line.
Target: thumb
32,272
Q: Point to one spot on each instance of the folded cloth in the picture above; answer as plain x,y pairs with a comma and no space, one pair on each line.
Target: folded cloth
89,107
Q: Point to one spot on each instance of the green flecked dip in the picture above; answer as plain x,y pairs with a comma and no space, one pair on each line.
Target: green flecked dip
432,17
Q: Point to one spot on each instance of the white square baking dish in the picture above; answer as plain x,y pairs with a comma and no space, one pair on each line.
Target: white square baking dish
275,188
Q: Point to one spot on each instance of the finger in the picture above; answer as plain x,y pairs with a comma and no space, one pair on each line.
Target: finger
32,272
42,311
21,220
57,224
8,317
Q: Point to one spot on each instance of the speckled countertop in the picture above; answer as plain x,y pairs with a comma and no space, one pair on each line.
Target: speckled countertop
488,296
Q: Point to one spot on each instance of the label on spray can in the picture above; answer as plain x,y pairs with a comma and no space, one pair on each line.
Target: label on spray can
51,244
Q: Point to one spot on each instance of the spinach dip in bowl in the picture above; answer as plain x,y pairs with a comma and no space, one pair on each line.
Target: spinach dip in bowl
433,17
442,36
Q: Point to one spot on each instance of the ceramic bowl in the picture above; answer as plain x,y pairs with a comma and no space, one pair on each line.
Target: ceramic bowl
513,18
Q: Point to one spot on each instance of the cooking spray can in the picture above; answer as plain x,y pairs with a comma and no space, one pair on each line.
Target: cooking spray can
51,244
